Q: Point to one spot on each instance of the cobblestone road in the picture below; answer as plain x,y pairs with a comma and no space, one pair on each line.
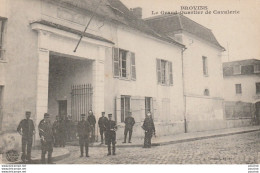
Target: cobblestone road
234,149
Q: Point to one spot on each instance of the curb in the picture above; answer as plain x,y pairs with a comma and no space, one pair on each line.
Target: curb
181,140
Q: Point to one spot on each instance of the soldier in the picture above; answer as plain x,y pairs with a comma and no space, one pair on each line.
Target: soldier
101,123
149,129
84,131
92,122
129,123
26,130
111,135
46,135
62,132
55,129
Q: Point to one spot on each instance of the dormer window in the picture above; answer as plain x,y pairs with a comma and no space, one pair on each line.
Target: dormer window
237,69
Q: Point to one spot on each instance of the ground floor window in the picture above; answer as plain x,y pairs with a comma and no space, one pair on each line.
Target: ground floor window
125,107
148,104
1,106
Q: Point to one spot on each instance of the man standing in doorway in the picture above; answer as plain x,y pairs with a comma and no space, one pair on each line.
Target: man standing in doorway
84,132
101,123
149,129
26,130
92,122
46,135
129,123
55,130
111,135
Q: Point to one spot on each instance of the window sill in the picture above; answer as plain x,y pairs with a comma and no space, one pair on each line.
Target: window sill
3,61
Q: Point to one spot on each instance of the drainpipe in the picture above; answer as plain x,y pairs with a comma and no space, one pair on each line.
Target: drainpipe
184,96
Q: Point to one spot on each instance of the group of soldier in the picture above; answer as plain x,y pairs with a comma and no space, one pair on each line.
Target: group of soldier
56,134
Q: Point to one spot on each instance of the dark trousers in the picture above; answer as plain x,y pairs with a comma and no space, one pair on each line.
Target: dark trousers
102,133
83,142
47,146
62,139
130,134
92,139
56,139
147,139
26,144
111,139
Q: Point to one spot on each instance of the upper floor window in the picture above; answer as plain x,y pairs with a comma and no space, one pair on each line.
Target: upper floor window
206,92
205,66
2,24
237,69
164,72
238,89
257,87
257,68
124,64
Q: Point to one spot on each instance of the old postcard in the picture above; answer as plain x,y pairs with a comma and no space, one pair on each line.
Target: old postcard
129,82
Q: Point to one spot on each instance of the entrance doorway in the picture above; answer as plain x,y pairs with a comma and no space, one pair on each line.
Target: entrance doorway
62,107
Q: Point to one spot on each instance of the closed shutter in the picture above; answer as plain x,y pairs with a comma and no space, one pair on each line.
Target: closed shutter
170,73
128,65
133,69
155,111
158,67
116,61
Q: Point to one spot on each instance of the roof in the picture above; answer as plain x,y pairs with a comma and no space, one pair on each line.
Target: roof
74,31
246,67
176,22
241,62
116,11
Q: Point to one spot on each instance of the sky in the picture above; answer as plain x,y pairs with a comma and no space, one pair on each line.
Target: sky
238,33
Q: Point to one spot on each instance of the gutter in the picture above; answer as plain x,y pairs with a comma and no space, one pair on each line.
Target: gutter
184,96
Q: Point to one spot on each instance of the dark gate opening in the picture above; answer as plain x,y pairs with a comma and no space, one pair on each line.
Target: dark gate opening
81,100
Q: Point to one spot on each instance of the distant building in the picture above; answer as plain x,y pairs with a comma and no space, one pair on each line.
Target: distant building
203,78
242,91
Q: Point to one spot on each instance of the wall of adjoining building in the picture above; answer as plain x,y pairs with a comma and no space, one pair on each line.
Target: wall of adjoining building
248,85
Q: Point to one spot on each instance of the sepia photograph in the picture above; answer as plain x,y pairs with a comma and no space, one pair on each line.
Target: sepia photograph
129,82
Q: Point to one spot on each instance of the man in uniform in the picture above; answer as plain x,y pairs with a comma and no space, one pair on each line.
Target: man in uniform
62,131
111,135
84,131
55,129
46,135
129,123
101,123
26,130
92,122
149,129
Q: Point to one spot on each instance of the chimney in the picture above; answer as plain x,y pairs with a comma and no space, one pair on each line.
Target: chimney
137,12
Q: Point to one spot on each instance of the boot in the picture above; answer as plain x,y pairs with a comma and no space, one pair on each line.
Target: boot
124,140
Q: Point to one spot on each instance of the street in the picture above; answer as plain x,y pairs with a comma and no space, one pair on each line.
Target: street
233,149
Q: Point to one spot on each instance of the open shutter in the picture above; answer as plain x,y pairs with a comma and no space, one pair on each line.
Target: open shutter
128,65
116,61
155,111
133,69
170,73
158,68
117,108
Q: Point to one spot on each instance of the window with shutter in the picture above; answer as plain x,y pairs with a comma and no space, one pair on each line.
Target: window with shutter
158,64
133,69
170,73
116,62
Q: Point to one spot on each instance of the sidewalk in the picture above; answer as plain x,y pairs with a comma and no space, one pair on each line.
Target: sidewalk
184,137
58,154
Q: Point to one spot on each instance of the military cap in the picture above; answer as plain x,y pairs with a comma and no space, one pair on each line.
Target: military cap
103,112
46,115
27,112
110,115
